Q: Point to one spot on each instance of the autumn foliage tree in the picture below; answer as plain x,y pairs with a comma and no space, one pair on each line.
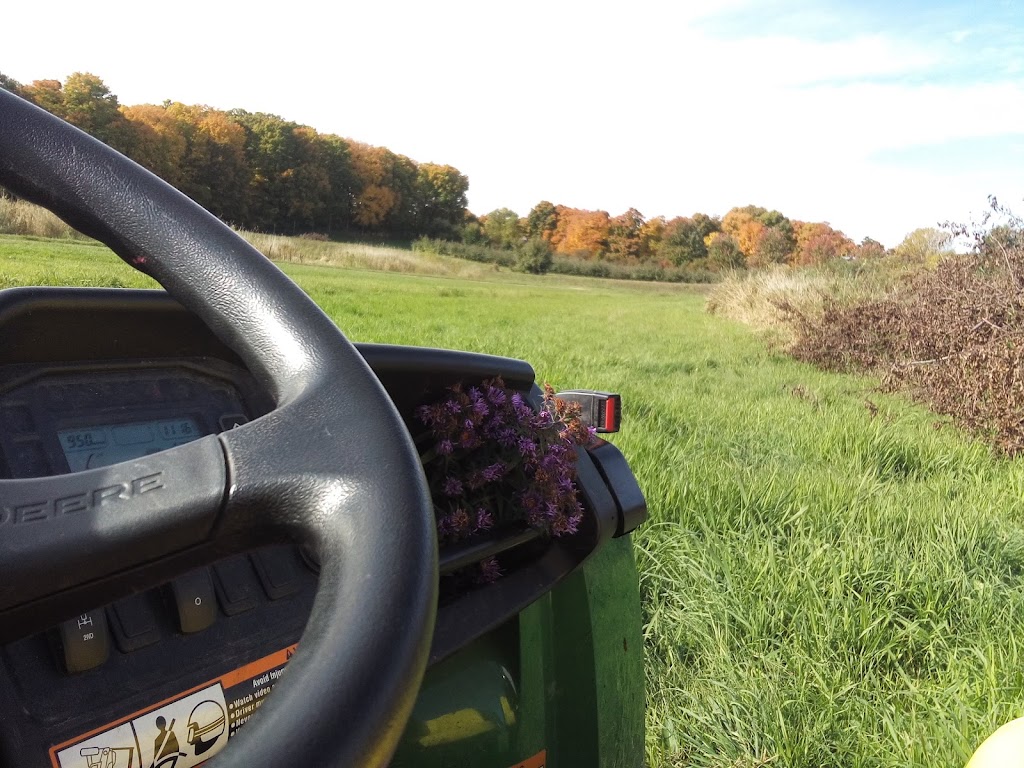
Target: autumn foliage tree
581,232
764,237
818,243
84,101
261,171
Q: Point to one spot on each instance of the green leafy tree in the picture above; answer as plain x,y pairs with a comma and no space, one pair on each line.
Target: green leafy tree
652,236
405,214
685,238
542,221
723,251
10,84
89,105
779,242
339,207
776,245
925,246
534,256
501,228
215,171
443,199
272,154
624,243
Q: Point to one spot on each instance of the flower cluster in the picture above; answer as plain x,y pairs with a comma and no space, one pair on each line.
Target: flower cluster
492,460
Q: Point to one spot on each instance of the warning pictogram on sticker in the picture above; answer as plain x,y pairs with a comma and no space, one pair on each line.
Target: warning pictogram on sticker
182,732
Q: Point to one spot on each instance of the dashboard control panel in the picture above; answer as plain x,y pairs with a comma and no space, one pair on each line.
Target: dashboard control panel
71,417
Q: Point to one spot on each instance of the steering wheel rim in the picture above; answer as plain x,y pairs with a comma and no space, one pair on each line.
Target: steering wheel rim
320,469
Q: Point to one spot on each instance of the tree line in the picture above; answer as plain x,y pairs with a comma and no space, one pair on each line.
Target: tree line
259,171
747,236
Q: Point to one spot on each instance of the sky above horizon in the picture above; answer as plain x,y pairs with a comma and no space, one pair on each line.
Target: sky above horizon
877,117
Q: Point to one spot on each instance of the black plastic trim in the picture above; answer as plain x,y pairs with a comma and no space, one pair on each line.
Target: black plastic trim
620,480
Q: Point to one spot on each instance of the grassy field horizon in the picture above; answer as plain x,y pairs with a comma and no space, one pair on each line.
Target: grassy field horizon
830,576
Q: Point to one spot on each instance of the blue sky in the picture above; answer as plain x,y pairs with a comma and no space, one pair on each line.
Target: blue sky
878,117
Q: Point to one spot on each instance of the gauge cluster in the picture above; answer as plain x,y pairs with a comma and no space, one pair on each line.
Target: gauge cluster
78,416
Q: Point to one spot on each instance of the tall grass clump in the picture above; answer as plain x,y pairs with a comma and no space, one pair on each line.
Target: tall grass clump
318,250
774,299
484,254
18,217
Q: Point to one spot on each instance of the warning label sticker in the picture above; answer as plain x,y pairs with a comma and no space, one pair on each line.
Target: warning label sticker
537,761
181,732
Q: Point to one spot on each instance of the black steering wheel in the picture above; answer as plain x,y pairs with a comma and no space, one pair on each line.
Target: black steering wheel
332,468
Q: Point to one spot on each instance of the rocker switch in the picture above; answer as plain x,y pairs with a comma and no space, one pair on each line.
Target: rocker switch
195,601
277,570
86,641
236,585
134,623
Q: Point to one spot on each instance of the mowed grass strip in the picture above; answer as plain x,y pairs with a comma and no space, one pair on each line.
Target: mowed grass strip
829,576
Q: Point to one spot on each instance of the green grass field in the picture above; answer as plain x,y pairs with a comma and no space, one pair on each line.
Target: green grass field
830,576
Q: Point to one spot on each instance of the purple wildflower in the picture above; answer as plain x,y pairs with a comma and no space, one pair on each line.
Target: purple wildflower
507,437
550,463
459,521
526,446
489,570
469,439
452,486
445,447
496,395
495,471
425,414
551,511
479,404
475,480
484,519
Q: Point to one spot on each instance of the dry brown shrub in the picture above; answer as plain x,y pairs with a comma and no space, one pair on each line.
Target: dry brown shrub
952,337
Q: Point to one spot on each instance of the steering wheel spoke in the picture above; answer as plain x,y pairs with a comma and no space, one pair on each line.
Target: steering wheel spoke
64,531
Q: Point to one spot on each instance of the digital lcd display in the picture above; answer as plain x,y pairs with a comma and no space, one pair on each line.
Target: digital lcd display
101,446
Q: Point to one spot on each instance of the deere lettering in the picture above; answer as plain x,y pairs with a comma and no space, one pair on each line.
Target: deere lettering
73,503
